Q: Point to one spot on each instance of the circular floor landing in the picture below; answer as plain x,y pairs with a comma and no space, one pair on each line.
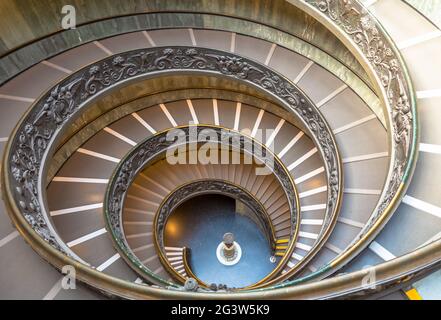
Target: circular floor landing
201,222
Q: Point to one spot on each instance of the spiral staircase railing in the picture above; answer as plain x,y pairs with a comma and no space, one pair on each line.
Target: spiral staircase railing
33,138
153,147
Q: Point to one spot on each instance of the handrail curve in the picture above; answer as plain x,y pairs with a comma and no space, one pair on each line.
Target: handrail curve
33,138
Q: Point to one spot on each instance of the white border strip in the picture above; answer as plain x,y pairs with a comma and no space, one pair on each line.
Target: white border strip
302,159
257,123
313,207
381,251
53,292
362,191
108,262
365,157
308,235
333,248
86,237
312,222
142,121
98,155
354,124
419,39
270,53
56,66
103,48
351,222
312,268
237,116
233,42
147,246
16,98
138,223
368,3
8,238
149,259
312,192
303,72
80,180
76,209
147,178
215,112
309,175
297,256
290,144
168,115
303,246
434,238
422,205
139,211
271,138
192,111
430,148
331,96
425,94
147,190
180,249
193,39
119,136
130,196
149,38
139,235
159,269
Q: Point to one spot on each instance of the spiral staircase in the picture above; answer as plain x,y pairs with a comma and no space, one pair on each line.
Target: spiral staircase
332,103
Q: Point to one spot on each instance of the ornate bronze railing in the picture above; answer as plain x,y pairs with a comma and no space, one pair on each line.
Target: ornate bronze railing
210,186
35,137
359,30
154,148
388,73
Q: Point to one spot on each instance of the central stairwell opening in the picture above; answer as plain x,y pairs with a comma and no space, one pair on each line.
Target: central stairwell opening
200,223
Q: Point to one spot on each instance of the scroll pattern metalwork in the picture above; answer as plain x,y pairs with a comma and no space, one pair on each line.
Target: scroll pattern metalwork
207,187
152,148
38,130
365,32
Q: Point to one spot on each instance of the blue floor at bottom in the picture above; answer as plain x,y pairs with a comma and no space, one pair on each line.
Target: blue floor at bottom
201,222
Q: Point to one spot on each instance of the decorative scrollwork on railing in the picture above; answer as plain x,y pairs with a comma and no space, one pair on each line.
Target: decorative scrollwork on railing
38,130
153,148
366,33
201,187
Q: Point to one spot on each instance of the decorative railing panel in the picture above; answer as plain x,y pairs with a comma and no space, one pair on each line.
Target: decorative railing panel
353,23
35,137
155,147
